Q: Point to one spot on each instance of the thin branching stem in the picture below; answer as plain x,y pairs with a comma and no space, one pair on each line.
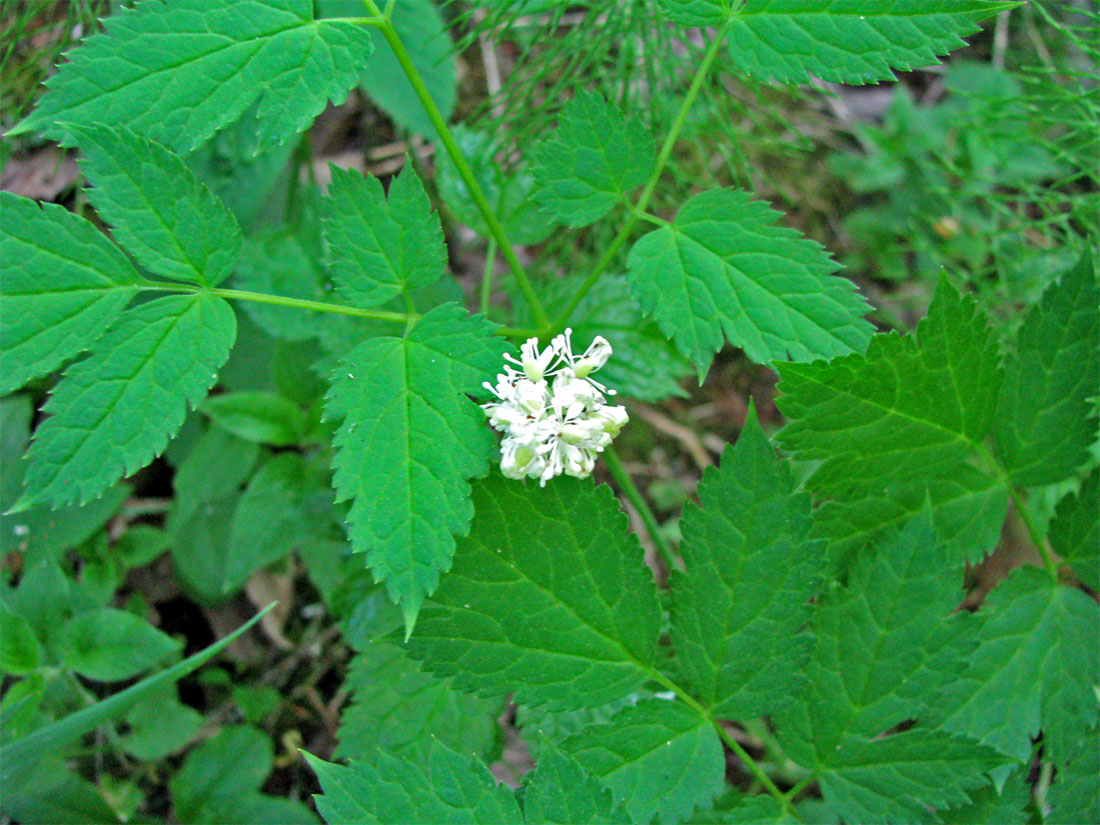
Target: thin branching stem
651,185
386,27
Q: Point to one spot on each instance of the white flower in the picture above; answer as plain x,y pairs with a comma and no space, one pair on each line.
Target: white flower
553,426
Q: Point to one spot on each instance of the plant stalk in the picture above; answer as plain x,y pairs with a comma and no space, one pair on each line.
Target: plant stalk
465,172
651,185
635,497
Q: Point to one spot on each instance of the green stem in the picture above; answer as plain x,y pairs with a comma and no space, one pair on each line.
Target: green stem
634,496
464,170
487,277
994,468
643,200
754,769
318,306
284,301
800,787
1033,531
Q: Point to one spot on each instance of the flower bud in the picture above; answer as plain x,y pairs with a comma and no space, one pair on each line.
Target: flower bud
594,357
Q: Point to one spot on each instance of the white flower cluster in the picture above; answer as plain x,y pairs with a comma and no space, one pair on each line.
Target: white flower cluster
553,426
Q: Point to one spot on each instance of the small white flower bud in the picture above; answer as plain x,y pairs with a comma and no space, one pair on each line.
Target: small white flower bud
594,357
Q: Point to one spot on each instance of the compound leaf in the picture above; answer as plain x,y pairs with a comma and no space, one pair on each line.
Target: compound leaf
740,609
660,759
911,408
409,440
1045,420
886,643
595,158
722,266
401,709
449,787
63,284
1075,531
180,71
848,41
114,412
1037,665
548,598
560,792
160,212
381,244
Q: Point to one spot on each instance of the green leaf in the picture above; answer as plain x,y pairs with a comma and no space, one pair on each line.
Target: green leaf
1007,807
968,512
381,244
200,546
660,759
1045,420
110,645
842,41
878,640
740,609
548,598
1037,665
159,726
560,792
903,778
178,72
763,809
44,600
409,441
1075,531
593,160
217,466
263,417
114,411
20,652
1075,795
534,723
271,517
723,267
63,284
911,408
424,34
58,797
246,175
256,809
399,708
885,644
695,12
509,191
17,758
230,764
448,788
161,214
